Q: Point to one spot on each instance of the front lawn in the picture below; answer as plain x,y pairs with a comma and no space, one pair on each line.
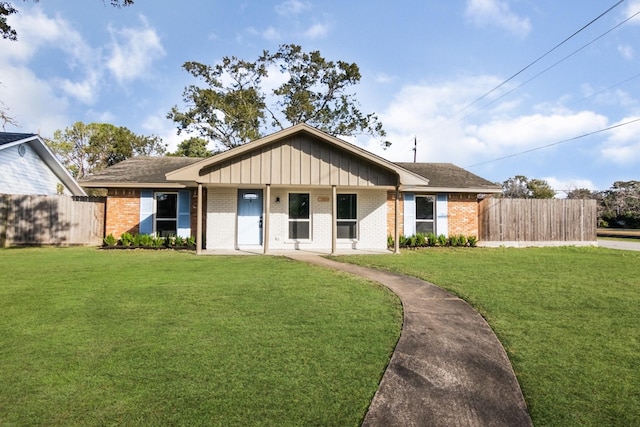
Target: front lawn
90,337
569,319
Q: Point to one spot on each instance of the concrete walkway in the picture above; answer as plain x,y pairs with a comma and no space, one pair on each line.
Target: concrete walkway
630,245
448,368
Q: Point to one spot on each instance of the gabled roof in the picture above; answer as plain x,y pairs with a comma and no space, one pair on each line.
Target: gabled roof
139,172
191,174
447,177
37,144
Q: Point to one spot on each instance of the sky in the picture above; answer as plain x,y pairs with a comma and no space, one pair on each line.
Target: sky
476,83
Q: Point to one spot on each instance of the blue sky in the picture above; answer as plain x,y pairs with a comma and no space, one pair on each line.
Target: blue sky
422,64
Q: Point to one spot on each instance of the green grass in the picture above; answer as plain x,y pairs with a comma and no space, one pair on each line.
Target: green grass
91,337
569,319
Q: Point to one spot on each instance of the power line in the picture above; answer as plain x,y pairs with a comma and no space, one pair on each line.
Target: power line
475,101
560,61
557,143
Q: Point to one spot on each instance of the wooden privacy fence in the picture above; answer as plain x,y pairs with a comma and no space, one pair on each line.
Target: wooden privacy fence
51,220
537,220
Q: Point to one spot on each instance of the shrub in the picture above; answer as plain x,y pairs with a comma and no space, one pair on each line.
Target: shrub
421,240
473,241
179,241
403,241
432,239
454,241
167,242
126,239
109,240
462,240
145,240
191,241
390,242
442,240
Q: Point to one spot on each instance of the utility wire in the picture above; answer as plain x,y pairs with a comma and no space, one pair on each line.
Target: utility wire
560,61
557,143
538,59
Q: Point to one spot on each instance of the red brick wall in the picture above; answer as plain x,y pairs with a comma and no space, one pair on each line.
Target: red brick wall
391,221
463,214
462,210
123,211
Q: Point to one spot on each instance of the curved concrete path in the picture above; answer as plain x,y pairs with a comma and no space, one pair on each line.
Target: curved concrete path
448,368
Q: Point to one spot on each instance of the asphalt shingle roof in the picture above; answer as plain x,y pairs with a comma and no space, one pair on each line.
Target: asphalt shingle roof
9,137
448,175
140,170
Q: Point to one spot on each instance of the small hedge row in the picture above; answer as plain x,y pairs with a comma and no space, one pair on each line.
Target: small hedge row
420,240
128,240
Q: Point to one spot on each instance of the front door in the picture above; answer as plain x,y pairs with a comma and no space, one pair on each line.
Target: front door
249,217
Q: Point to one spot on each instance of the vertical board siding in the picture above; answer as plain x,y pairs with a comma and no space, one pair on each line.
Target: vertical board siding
51,220
537,220
299,161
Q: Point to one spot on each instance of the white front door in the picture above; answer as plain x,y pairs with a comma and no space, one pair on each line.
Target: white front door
250,217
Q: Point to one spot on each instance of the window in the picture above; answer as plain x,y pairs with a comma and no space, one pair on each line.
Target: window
166,214
299,218
347,220
424,214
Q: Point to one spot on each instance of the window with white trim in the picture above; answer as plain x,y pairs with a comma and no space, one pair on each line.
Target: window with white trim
299,216
347,220
166,214
425,209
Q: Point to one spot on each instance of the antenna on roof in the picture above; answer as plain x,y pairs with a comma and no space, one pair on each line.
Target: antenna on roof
415,148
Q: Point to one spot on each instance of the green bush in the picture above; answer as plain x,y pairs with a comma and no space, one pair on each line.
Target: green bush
127,239
145,240
473,241
421,240
403,241
110,240
442,240
191,242
390,242
432,239
462,240
180,241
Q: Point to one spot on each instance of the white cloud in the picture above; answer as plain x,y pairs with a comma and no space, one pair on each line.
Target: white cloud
292,7
272,34
431,113
562,186
626,51
133,51
317,31
623,146
485,13
632,8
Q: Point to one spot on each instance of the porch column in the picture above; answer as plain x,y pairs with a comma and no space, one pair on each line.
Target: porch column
334,216
199,221
396,237
265,220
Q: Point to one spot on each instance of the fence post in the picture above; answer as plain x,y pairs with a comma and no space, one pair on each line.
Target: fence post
4,218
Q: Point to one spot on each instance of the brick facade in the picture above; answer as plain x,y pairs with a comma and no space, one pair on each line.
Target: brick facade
123,211
463,214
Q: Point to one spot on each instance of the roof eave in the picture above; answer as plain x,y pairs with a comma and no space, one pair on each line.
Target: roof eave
115,184
426,188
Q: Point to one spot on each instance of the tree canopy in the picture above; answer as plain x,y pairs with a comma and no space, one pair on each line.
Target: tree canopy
87,148
233,108
192,147
521,187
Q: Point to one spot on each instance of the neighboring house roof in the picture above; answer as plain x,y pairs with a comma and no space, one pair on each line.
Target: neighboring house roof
447,177
139,172
40,148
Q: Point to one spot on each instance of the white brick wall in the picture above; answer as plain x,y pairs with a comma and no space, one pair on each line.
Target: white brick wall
222,206
372,219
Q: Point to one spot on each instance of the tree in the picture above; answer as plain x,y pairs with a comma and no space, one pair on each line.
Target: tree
7,9
87,148
192,147
621,204
540,189
582,194
521,187
516,188
232,108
